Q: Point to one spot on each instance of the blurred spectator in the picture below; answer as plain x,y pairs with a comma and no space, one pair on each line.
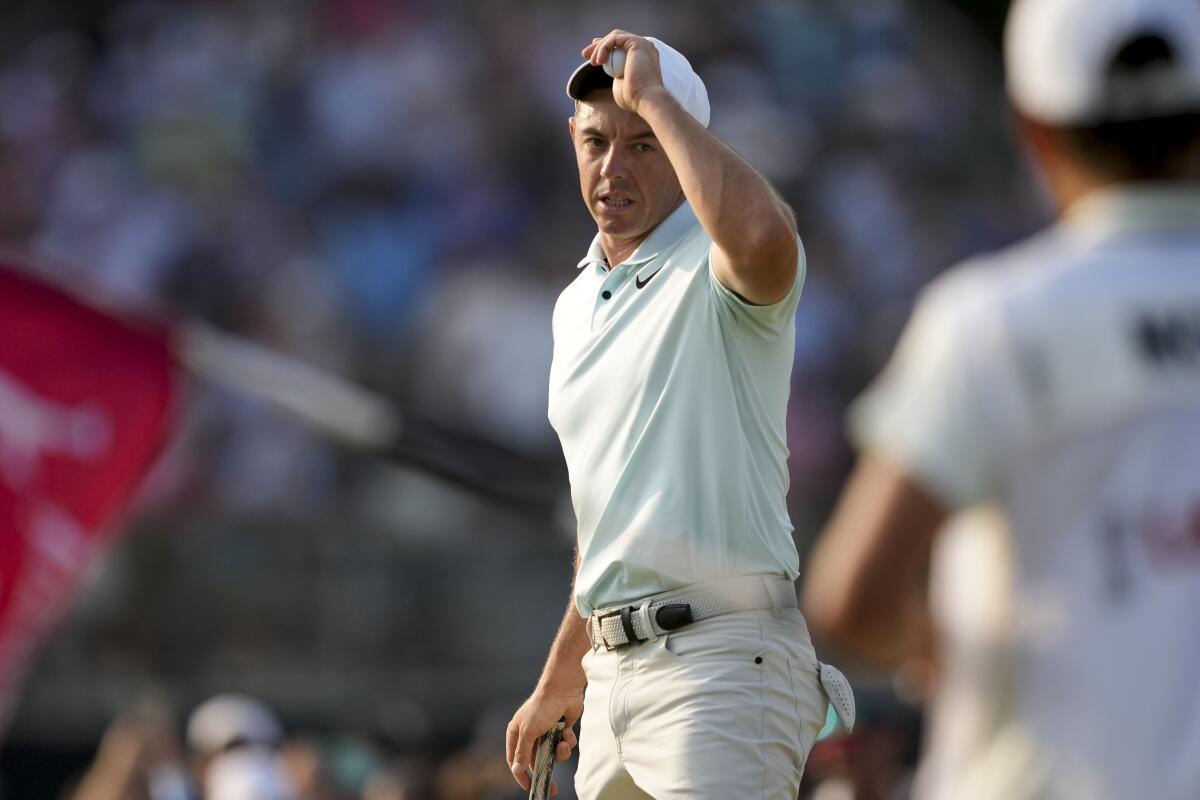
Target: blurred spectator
873,763
387,783
140,758
305,767
229,721
234,742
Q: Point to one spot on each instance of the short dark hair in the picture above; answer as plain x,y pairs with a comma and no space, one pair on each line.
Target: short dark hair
1138,150
592,80
1144,148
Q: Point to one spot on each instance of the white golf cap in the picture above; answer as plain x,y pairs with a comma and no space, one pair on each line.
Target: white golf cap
1084,62
679,79
229,719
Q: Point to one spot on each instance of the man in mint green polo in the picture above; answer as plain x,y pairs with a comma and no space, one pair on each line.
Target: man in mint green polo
682,648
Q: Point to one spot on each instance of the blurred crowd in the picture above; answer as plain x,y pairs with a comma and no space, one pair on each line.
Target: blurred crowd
235,747
387,190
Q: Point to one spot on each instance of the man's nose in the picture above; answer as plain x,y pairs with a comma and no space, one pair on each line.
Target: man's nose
613,165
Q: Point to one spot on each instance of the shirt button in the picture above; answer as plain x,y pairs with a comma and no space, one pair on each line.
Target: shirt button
606,294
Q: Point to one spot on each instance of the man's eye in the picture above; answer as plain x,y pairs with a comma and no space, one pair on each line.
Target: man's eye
642,147
594,142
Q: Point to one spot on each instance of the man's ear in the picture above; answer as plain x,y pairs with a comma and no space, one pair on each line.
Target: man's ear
1040,139
571,127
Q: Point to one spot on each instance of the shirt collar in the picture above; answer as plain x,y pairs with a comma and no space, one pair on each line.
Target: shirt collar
595,255
1140,207
668,232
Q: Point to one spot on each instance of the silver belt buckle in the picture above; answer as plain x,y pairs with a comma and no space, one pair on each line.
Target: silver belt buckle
625,614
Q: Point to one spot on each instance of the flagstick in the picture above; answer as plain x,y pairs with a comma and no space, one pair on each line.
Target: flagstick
368,421
333,406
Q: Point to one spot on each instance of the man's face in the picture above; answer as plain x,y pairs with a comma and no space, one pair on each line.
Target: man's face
628,183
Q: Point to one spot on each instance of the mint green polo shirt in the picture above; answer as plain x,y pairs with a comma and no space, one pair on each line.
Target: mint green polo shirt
669,394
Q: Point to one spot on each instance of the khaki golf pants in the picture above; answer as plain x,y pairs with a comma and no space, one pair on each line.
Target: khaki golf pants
724,709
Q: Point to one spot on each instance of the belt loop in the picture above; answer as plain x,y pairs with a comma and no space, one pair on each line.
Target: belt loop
647,626
590,632
768,583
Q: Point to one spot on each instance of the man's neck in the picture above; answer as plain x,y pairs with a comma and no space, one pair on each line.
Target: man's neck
616,250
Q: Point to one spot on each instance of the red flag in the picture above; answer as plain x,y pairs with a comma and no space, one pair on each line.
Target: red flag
85,403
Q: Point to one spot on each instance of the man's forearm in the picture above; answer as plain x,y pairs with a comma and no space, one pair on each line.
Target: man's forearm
563,669
559,694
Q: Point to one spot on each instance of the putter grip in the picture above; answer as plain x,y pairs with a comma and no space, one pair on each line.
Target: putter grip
543,761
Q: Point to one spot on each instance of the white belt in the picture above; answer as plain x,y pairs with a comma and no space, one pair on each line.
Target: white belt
622,626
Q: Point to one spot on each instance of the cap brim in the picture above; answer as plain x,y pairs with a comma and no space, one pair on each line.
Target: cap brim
586,78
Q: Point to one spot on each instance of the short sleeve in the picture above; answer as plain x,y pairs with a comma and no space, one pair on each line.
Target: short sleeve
767,321
928,411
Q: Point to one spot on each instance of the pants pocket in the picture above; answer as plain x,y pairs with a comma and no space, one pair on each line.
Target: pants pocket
809,702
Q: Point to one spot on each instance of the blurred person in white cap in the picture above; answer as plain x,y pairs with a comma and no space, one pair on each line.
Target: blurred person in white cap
231,723
1056,382
682,647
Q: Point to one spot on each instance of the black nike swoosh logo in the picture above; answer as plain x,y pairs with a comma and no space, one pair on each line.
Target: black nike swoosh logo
640,283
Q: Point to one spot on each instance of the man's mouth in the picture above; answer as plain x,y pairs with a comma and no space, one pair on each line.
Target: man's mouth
615,201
